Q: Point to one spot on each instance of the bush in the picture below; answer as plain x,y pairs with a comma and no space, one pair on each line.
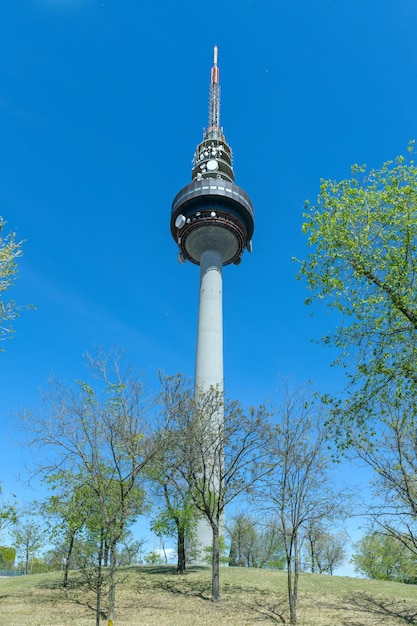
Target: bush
7,557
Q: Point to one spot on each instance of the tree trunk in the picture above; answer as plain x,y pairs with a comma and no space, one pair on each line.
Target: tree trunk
98,603
99,581
291,598
292,578
232,553
295,578
112,588
106,554
181,563
67,559
215,574
312,555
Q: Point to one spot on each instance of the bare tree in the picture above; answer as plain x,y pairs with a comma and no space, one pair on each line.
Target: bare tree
330,552
243,536
221,460
129,550
100,440
325,550
297,490
392,455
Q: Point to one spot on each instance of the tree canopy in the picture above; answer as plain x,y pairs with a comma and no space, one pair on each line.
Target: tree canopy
363,235
384,557
10,250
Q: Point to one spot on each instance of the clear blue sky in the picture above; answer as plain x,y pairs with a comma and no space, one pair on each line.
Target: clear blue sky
102,103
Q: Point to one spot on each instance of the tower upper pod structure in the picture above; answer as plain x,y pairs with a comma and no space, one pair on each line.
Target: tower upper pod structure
212,213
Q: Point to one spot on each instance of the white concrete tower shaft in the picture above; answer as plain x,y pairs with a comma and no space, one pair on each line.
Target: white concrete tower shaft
209,356
209,364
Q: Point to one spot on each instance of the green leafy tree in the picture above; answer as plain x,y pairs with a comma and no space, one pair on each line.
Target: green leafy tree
38,565
363,264
10,251
208,553
255,543
384,557
55,557
7,557
8,512
178,516
364,234
153,558
178,519
66,512
88,556
28,540
100,439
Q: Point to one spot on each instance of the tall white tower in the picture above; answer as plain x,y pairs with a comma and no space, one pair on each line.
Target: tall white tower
212,223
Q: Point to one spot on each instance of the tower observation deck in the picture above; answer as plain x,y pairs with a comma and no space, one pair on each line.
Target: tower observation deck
212,212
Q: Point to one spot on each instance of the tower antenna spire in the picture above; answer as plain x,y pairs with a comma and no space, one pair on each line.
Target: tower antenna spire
214,130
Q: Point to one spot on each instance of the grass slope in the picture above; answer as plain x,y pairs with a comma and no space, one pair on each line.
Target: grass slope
156,596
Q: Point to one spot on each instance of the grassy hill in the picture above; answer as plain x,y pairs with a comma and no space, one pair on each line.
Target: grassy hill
156,596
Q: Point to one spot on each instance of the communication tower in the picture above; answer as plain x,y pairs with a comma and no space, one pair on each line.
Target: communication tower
212,223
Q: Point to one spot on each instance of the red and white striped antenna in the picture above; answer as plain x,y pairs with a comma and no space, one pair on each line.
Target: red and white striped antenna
214,96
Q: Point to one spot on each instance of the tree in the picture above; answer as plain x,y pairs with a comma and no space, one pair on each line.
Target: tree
66,512
178,515
178,519
363,232
384,557
55,557
153,558
129,550
100,442
325,550
392,455
7,557
8,512
297,490
38,565
243,536
10,250
220,459
254,543
28,539
312,535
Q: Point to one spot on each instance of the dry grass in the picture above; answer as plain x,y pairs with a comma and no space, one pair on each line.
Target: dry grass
156,596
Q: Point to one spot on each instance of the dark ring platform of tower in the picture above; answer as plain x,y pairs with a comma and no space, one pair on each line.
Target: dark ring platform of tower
212,213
